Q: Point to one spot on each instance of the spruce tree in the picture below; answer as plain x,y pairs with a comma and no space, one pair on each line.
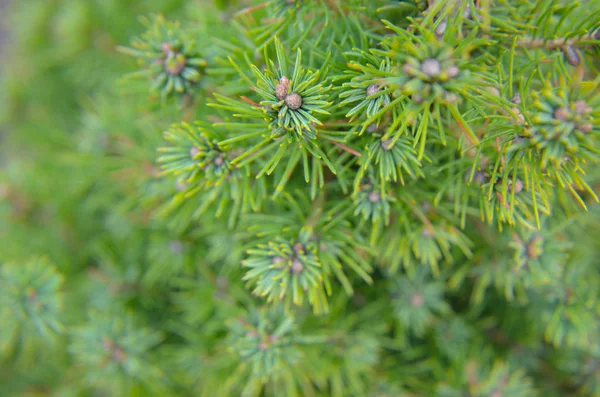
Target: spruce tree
267,198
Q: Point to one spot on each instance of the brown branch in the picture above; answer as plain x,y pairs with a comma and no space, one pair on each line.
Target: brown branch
250,101
248,10
559,42
345,148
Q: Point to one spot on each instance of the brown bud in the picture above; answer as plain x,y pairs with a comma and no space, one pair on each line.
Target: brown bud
175,66
293,101
387,144
372,128
278,260
166,48
431,67
441,28
298,247
518,115
372,89
518,186
194,151
585,128
297,266
416,300
452,71
533,248
494,91
581,107
572,55
280,92
374,197
516,99
281,89
562,114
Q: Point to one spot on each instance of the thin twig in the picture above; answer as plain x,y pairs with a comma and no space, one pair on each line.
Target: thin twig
250,9
559,42
345,148
249,101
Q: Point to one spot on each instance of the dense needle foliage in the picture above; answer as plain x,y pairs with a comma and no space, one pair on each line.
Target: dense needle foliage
341,198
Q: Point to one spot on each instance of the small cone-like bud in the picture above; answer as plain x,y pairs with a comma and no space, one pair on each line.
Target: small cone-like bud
374,197
518,186
452,71
562,114
431,67
582,108
281,89
297,266
416,300
194,152
372,89
572,55
293,101
585,128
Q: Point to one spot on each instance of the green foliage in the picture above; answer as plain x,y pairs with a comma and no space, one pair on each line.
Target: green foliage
281,269
417,301
31,306
203,168
266,341
478,381
347,198
168,57
117,349
301,254
561,124
284,122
